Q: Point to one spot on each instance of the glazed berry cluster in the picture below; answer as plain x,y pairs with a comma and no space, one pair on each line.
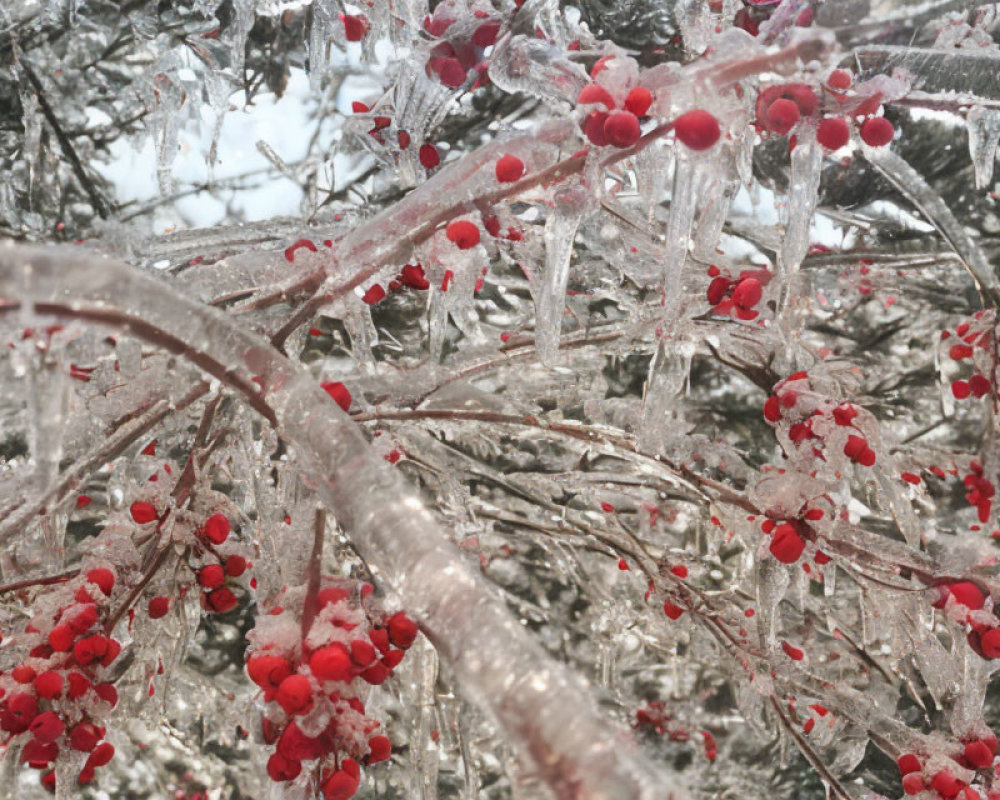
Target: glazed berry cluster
312,685
55,699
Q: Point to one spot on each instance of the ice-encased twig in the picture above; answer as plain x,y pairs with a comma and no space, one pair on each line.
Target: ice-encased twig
545,709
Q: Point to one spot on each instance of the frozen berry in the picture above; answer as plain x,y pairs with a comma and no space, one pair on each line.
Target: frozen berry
697,130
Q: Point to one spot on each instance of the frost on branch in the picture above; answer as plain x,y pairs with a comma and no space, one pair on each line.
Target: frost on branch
633,370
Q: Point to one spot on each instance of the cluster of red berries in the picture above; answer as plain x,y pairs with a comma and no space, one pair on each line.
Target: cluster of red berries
451,59
216,574
54,699
798,405
965,602
737,296
618,123
310,686
972,335
780,108
979,491
918,774
411,276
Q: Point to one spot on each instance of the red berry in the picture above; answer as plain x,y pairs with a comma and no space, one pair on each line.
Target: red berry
908,763
877,131
428,156
964,592
402,630
794,653
85,736
235,566
786,545
697,130
592,93
61,638
782,115
78,685
158,607
978,754
463,234
747,293
341,785
412,275
217,528
833,133
839,79
379,749
392,658
451,72
855,447
47,727
211,576
221,600
486,34
375,294
672,611
332,663
268,672
989,642
281,769
375,674
38,755
638,101
296,746
946,784
355,27
104,578
621,129
49,684
593,128
101,755
772,409
23,674
295,694
363,653
960,389
509,168
380,638
979,385
340,394
913,783
142,512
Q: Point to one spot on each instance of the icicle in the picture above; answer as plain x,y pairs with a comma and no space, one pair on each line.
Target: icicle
668,377
713,217
427,756
682,207
239,30
324,17
772,583
983,126
803,193
572,204
48,413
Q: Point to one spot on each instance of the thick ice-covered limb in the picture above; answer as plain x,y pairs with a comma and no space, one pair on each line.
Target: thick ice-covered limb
538,702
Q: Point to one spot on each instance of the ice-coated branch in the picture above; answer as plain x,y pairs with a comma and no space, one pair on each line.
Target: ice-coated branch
538,702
